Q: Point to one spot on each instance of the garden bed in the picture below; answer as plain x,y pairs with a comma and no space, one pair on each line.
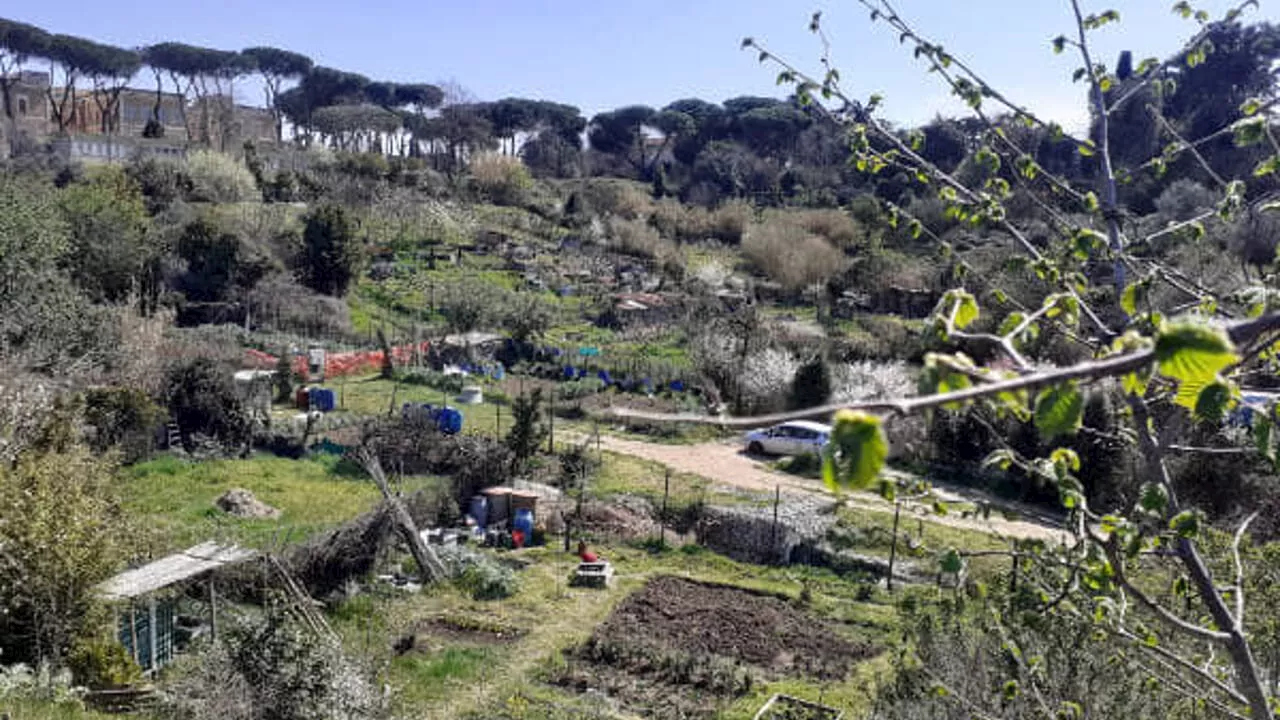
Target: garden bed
679,648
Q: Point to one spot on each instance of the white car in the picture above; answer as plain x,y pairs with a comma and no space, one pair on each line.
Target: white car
790,438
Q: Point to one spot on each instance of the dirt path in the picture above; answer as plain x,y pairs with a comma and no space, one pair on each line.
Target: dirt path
725,464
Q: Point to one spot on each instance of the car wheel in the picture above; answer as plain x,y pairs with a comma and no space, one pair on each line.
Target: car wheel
755,448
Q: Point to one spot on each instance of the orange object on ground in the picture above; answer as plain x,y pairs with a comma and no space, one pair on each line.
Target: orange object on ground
586,555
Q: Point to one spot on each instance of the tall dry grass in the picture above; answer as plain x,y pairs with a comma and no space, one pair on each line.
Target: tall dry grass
788,253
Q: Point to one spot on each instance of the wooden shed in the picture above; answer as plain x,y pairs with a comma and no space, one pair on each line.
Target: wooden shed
144,599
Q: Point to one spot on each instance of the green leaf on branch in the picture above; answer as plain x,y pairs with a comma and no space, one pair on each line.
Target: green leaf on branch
951,562
1087,148
1002,459
1185,524
1214,400
1193,355
1267,167
1059,411
1011,690
1154,498
1134,294
857,451
1066,460
1135,383
1250,131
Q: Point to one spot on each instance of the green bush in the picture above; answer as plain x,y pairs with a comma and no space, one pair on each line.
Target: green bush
102,663
219,178
576,389
432,379
478,574
124,417
503,179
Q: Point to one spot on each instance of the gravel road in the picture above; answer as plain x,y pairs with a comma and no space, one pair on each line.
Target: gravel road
725,464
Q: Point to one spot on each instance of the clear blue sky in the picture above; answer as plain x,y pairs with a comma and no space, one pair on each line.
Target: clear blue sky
600,55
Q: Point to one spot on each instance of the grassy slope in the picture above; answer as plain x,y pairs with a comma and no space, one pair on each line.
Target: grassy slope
174,498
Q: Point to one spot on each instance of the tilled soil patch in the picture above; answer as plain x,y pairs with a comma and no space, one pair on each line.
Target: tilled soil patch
754,628
679,648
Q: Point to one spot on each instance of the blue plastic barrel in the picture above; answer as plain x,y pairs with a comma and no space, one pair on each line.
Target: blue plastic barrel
479,510
524,523
677,386
569,372
604,377
450,421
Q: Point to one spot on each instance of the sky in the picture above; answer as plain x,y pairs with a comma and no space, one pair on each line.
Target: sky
611,53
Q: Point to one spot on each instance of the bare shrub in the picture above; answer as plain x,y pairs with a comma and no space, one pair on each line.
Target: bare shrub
636,237
219,178
617,197
272,668
501,178
677,221
729,222
783,250
838,227
282,304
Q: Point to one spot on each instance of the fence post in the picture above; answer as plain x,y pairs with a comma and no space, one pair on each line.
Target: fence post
773,530
1013,569
893,549
498,422
666,493
551,422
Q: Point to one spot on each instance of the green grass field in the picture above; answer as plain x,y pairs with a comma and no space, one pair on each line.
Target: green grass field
174,498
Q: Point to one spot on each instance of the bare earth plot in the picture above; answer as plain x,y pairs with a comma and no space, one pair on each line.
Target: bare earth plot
678,648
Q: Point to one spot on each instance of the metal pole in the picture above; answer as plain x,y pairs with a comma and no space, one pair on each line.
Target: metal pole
773,531
893,549
551,422
666,492
213,610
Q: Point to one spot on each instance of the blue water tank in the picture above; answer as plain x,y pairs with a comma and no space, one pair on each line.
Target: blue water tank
479,510
604,377
524,523
677,386
323,399
569,372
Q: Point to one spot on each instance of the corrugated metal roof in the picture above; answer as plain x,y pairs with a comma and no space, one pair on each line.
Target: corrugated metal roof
172,569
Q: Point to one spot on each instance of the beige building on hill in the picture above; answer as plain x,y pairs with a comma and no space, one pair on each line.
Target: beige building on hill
30,124
229,125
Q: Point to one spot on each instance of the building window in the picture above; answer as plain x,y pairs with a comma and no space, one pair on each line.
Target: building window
22,106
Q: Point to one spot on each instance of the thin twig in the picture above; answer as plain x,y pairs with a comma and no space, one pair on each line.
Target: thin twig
1235,555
